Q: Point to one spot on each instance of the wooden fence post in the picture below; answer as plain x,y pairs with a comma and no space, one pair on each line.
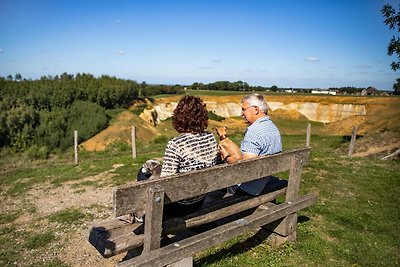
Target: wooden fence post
308,135
133,135
352,141
76,146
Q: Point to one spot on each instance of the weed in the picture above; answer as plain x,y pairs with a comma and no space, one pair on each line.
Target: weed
67,217
8,217
39,240
51,263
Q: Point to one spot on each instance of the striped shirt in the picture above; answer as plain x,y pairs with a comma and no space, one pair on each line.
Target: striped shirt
188,152
261,138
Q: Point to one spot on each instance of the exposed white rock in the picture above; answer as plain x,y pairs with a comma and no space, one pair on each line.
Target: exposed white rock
326,113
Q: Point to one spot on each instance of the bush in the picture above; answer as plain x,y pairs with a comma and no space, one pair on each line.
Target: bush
51,130
85,117
37,152
118,146
161,139
215,117
139,109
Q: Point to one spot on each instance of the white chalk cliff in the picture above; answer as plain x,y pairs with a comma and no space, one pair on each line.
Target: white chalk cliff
313,111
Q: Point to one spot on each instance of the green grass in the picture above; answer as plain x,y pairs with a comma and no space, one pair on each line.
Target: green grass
39,240
8,217
353,223
67,217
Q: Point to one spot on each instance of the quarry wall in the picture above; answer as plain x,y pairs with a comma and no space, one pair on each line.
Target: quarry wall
313,111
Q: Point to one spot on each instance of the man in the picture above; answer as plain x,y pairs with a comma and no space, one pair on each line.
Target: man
262,137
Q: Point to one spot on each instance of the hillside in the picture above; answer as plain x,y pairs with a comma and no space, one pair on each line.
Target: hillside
381,114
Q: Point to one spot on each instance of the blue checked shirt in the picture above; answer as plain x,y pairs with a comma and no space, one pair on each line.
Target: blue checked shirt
261,138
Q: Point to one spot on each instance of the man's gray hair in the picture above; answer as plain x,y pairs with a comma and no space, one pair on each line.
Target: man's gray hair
257,100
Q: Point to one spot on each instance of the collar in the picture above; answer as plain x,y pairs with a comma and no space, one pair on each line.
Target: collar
262,119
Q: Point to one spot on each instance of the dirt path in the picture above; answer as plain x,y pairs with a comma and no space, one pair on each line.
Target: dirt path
71,245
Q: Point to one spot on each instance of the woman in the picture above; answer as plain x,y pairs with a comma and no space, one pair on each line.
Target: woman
194,148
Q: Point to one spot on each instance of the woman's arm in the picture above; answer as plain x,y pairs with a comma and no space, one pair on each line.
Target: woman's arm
171,160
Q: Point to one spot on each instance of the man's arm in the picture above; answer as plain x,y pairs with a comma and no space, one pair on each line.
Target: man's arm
248,155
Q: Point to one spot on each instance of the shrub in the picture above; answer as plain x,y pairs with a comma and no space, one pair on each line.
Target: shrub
214,117
37,152
85,117
161,139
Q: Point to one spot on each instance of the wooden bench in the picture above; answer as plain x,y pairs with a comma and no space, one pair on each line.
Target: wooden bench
175,240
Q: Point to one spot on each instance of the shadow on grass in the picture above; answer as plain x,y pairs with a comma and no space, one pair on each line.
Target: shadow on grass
347,138
240,246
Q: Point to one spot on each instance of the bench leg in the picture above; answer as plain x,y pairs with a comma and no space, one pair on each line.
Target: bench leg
186,262
282,230
275,239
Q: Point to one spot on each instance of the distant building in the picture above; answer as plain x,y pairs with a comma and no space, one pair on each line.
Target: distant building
370,91
323,92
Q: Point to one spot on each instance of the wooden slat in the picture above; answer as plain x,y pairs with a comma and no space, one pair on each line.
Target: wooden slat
109,244
174,226
186,262
191,245
153,220
132,196
289,224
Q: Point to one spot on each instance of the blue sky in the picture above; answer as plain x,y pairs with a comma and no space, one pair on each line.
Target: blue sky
288,43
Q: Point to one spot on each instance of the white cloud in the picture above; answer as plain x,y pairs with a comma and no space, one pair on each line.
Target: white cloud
312,59
216,61
1,50
121,52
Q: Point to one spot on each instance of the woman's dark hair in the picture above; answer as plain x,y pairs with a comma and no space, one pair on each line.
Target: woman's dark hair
190,115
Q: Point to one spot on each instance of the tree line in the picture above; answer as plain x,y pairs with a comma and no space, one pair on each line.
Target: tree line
45,112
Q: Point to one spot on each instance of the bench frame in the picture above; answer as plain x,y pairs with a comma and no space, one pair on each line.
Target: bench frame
249,213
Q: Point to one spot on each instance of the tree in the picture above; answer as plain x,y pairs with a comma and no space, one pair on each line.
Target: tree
393,21
396,87
274,88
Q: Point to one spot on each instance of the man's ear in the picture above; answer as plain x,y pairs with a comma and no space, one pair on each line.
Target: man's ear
257,110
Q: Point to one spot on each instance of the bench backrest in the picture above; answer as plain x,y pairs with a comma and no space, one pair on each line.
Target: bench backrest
132,196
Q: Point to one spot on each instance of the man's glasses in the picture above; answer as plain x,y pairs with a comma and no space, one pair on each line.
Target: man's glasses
244,109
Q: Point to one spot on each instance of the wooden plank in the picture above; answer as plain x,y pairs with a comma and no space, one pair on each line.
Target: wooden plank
109,247
153,219
289,224
186,262
179,225
132,197
191,245
296,168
